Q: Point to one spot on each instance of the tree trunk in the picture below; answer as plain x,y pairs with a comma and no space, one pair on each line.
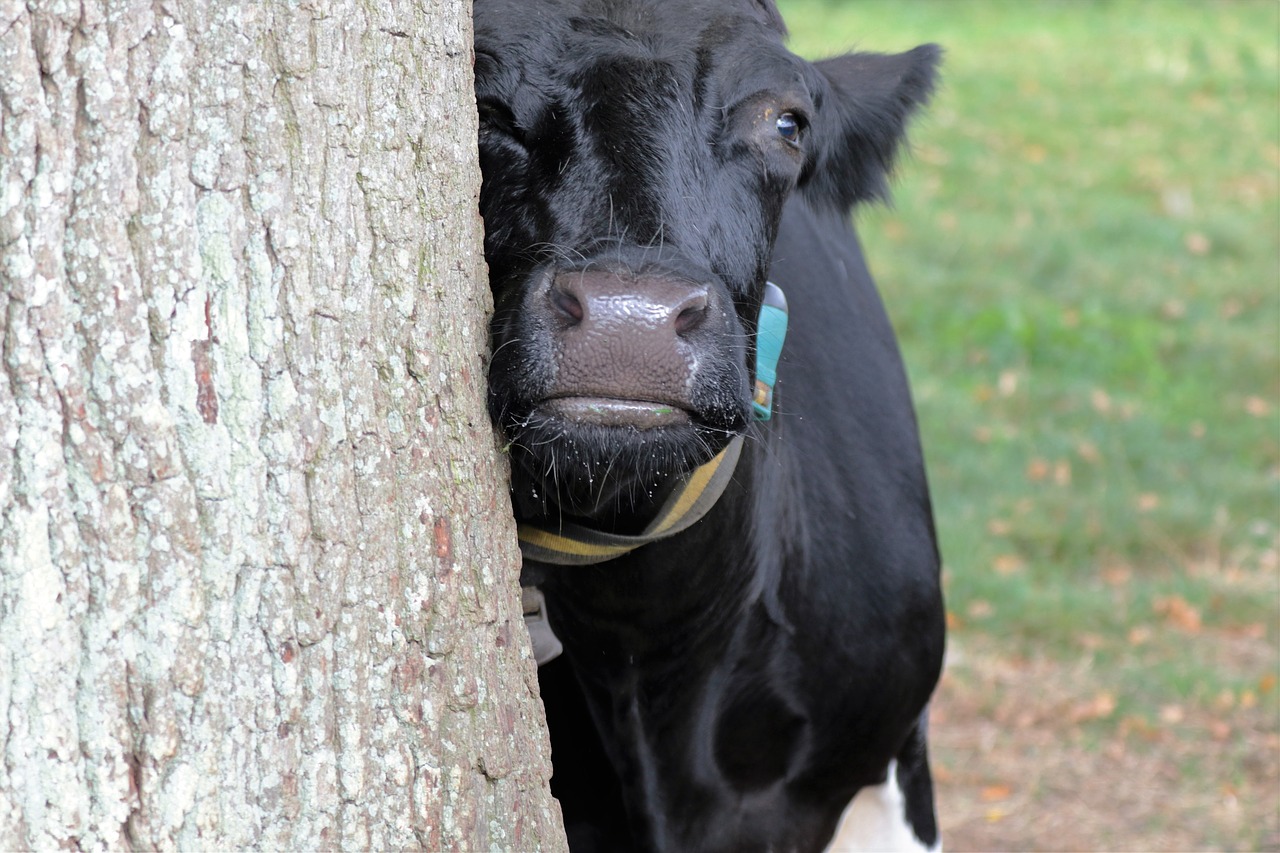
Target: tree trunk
257,567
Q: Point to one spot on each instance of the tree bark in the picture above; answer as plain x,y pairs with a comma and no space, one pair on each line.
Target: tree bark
257,566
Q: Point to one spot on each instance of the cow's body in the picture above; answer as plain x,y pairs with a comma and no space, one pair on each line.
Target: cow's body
732,687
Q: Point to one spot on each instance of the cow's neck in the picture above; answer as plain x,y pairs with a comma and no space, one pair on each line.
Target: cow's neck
664,642
676,600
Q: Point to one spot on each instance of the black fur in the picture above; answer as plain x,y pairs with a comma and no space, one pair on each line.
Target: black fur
730,688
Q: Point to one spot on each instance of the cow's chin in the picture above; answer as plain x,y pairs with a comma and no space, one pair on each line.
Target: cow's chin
608,461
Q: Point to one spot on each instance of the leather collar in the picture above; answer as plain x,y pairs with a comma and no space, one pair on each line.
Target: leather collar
575,545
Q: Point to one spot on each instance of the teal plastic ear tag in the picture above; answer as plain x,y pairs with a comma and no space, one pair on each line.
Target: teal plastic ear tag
771,332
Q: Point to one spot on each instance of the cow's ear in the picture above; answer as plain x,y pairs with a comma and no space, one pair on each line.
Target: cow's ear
767,10
862,119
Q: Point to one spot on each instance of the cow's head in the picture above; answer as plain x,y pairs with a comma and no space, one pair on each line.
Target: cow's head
636,157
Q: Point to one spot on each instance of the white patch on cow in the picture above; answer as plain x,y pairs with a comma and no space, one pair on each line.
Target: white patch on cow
876,819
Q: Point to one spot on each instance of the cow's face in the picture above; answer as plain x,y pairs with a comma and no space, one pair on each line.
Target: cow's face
636,158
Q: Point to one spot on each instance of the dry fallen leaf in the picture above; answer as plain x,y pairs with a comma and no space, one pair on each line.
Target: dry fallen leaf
1090,642
1117,575
1257,406
980,609
1008,564
1256,631
1139,635
992,793
1197,243
1098,708
1178,612
1135,724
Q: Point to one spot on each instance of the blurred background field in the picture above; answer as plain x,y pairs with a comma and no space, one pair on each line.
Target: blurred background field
1083,262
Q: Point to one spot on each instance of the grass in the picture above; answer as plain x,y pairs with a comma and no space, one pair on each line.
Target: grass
1083,263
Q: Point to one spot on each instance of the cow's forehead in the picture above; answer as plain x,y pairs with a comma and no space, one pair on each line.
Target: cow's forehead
547,43
635,16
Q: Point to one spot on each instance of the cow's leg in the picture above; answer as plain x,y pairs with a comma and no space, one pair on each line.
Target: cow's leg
584,781
897,814
916,784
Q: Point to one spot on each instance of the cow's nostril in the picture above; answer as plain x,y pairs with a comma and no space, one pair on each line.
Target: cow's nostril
567,304
691,318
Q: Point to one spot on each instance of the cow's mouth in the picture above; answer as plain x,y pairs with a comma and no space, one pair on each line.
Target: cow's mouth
612,411
597,457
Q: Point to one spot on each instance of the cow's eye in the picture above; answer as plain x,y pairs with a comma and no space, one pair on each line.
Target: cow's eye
790,127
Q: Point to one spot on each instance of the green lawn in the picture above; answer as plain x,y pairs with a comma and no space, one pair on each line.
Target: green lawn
1083,263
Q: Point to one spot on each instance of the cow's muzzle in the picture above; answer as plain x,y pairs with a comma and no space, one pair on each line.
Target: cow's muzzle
628,347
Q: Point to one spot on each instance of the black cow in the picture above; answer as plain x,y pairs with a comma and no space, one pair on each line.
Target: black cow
740,672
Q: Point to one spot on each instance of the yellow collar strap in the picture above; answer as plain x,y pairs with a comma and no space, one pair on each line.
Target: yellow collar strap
574,545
